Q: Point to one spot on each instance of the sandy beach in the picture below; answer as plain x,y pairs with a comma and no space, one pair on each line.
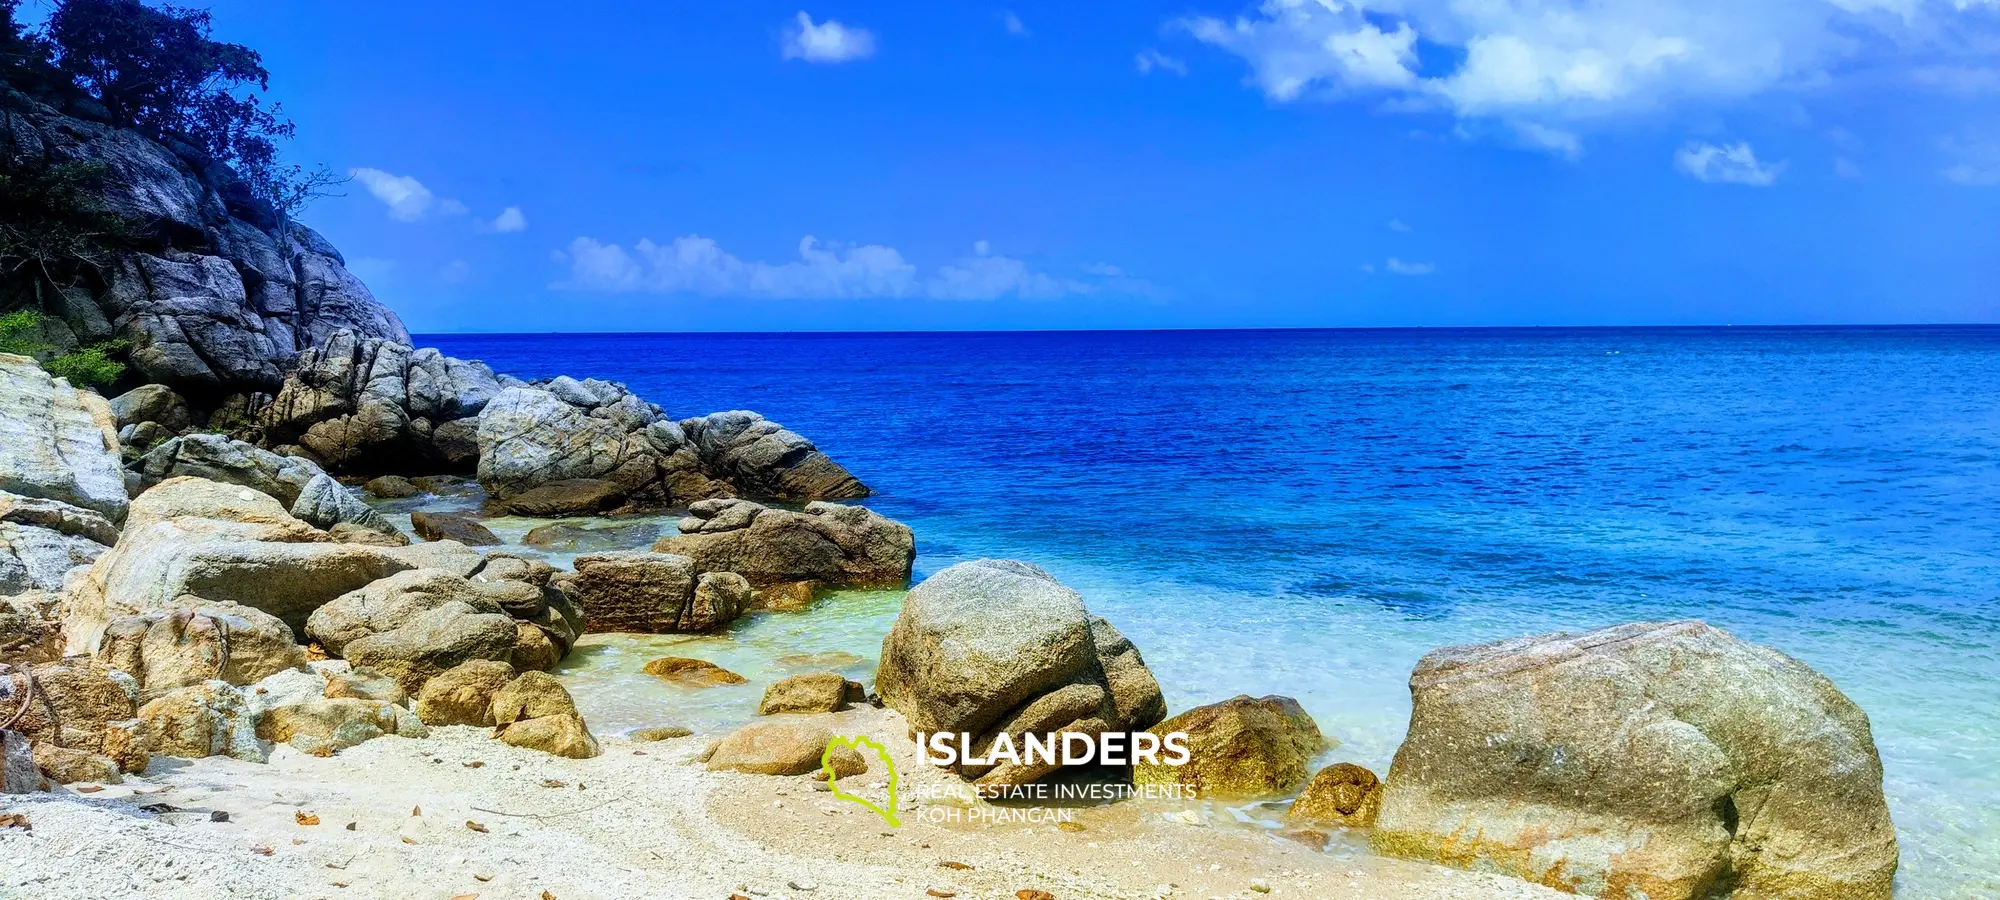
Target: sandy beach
459,815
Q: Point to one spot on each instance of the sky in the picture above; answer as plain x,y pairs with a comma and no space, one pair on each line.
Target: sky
749,166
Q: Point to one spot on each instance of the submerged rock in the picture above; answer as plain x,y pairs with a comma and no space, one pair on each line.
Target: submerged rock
997,646
691,672
1241,748
392,487
574,538
434,526
1666,758
833,545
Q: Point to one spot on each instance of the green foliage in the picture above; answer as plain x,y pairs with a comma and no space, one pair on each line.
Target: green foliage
90,366
52,221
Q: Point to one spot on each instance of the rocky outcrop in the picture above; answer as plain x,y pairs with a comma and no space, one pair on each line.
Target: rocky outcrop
464,694
296,708
78,705
414,625
30,629
312,496
155,403
60,443
208,719
536,712
831,544
433,526
762,459
190,541
221,294
1665,759
363,404
997,646
1239,749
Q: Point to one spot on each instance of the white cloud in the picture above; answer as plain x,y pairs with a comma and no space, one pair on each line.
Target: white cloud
827,42
1013,24
1150,60
1731,164
1548,68
824,270
509,220
1398,225
407,198
1409,268
1976,162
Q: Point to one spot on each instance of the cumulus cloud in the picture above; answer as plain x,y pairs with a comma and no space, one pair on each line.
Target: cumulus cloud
509,220
407,198
1398,225
827,42
1975,161
1729,164
824,270
1549,67
1150,60
1400,267
1013,24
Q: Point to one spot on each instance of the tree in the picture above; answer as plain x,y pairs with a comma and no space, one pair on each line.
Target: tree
157,70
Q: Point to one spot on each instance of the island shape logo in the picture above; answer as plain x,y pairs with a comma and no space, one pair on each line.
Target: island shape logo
833,780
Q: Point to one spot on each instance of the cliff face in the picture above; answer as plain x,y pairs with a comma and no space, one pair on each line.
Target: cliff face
221,295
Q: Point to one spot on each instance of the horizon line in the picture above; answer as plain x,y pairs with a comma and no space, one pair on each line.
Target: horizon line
1851,326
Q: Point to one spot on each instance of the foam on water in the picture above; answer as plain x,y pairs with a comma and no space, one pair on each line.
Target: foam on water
1307,513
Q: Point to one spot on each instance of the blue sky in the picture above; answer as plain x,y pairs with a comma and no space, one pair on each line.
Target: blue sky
755,166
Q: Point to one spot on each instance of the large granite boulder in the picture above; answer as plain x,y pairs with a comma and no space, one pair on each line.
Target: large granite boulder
311,495
222,292
463,695
648,593
30,629
536,712
1243,748
529,438
834,545
155,403
300,708
417,624
997,646
61,443
218,543
167,650
783,748
78,705
41,541
1665,760
207,719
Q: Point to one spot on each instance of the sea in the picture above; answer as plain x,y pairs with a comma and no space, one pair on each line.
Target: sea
1308,512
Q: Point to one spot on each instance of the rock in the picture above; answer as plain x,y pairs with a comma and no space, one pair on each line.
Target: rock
323,726
719,597
364,404
221,544
350,533
80,705
155,403
57,516
568,497
783,748
1341,794
997,646
326,503
691,672
62,443
1668,758
390,603
573,538
34,558
434,641
785,596
660,733
391,487
208,719
761,458
464,695
533,649
535,711
18,773
1241,748
65,766
529,438
364,684
1135,693
29,630
218,458
415,624
135,440
818,693
448,527
840,546
643,592
167,650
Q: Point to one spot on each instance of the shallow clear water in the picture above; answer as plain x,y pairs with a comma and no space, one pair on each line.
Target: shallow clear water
1307,513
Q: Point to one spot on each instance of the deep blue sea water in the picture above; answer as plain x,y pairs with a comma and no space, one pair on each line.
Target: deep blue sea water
1308,512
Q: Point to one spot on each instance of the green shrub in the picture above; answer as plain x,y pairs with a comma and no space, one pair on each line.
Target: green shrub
88,366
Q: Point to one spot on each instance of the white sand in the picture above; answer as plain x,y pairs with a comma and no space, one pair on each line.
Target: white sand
640,821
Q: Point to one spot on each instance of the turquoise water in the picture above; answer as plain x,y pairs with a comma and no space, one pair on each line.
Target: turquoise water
1307,513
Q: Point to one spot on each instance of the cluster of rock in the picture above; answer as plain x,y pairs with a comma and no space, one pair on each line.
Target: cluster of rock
222,293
